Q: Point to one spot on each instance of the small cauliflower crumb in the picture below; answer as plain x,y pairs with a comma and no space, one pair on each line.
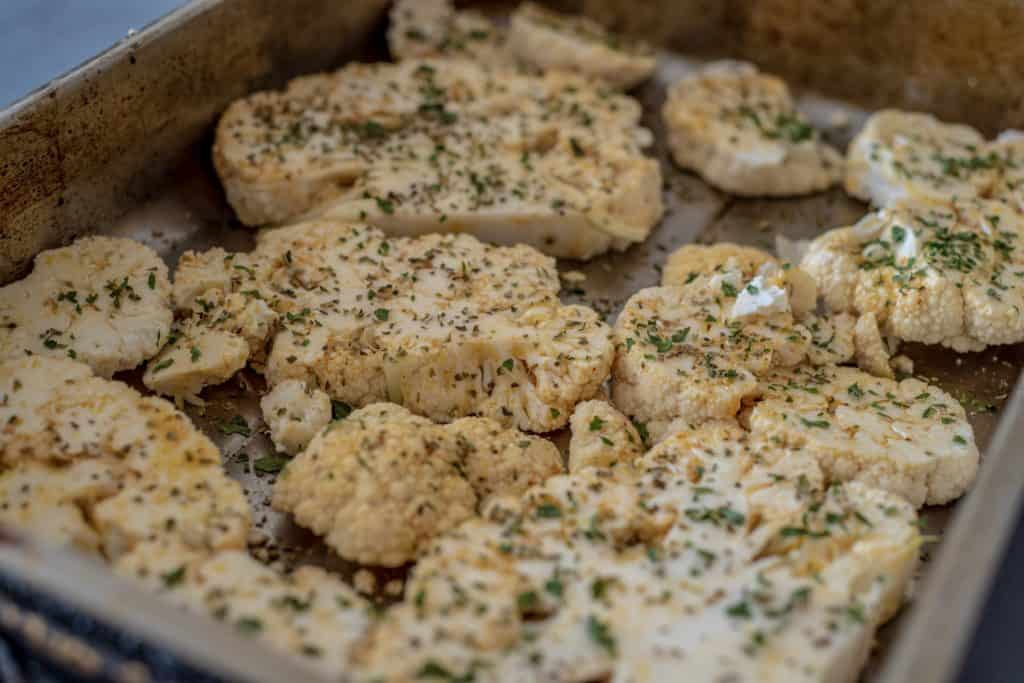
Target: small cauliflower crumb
602,437
295,414
872,355
383,483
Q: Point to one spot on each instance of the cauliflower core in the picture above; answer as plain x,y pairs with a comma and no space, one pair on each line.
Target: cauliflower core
103,301
712,558
90,462
441,324
934,272
695,350
602,437
536,38
309,614
740,130
554,161
383,483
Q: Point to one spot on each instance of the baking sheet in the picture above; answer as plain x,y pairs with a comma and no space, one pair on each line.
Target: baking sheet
191,214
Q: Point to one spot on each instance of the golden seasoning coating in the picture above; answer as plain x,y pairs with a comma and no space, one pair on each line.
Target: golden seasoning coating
553,161
309,614
110,468
740,130
443,324
434,28
714,558
602,437
381,484
104,301
934,272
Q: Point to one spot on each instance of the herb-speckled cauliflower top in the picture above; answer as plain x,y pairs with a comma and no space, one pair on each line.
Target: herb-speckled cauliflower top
933,272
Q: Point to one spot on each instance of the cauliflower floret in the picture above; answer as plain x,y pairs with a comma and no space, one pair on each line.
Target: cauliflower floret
691,260
872,354
434,28
443,324
1009,146
907,437
133,467
602,437
832,338
905,155
104,301
580,578
932,272
552,160
695,351
740,130
381,484
309,614
550,40
295,414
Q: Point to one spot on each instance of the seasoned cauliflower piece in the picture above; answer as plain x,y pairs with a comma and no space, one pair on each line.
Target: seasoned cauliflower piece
554,161
905,155
907,437
295,413
550,40
602,437
308,614
442,324
691,260
433,28
383,483
709,557
104,301
832,338
108,467
871,352
1009,147
740,130
695,351
932,272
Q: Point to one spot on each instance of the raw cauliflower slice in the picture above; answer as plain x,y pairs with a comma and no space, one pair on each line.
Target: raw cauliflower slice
907,437
104,301
309,614
443,324
709,557
932,272
740,130
434,28
696,350
423,146
383,483
550,40
295,413
135,468
907,155
602,437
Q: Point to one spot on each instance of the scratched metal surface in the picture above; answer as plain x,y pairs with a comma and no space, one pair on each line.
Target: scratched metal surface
191,214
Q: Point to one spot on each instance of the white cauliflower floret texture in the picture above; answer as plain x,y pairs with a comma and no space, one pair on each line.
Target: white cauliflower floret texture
381,484
424,146
602,437
741,131
932,272
107,467
103,301
295,413
442,324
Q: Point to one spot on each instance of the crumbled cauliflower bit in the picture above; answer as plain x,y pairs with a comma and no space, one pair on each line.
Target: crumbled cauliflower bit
602,437
383,483
553,160
309,614
740,130
691,260
959,287
903,365
295,414
365,582
131,467
434,28
104,301
712,555
832,338
872,354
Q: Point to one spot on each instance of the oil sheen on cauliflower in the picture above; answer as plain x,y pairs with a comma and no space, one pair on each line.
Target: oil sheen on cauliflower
442,324
935,272
553,160
103,301
90,462
383,483
712,558
740,130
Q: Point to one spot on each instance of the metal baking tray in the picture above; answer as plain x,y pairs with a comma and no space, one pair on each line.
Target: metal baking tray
121,145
